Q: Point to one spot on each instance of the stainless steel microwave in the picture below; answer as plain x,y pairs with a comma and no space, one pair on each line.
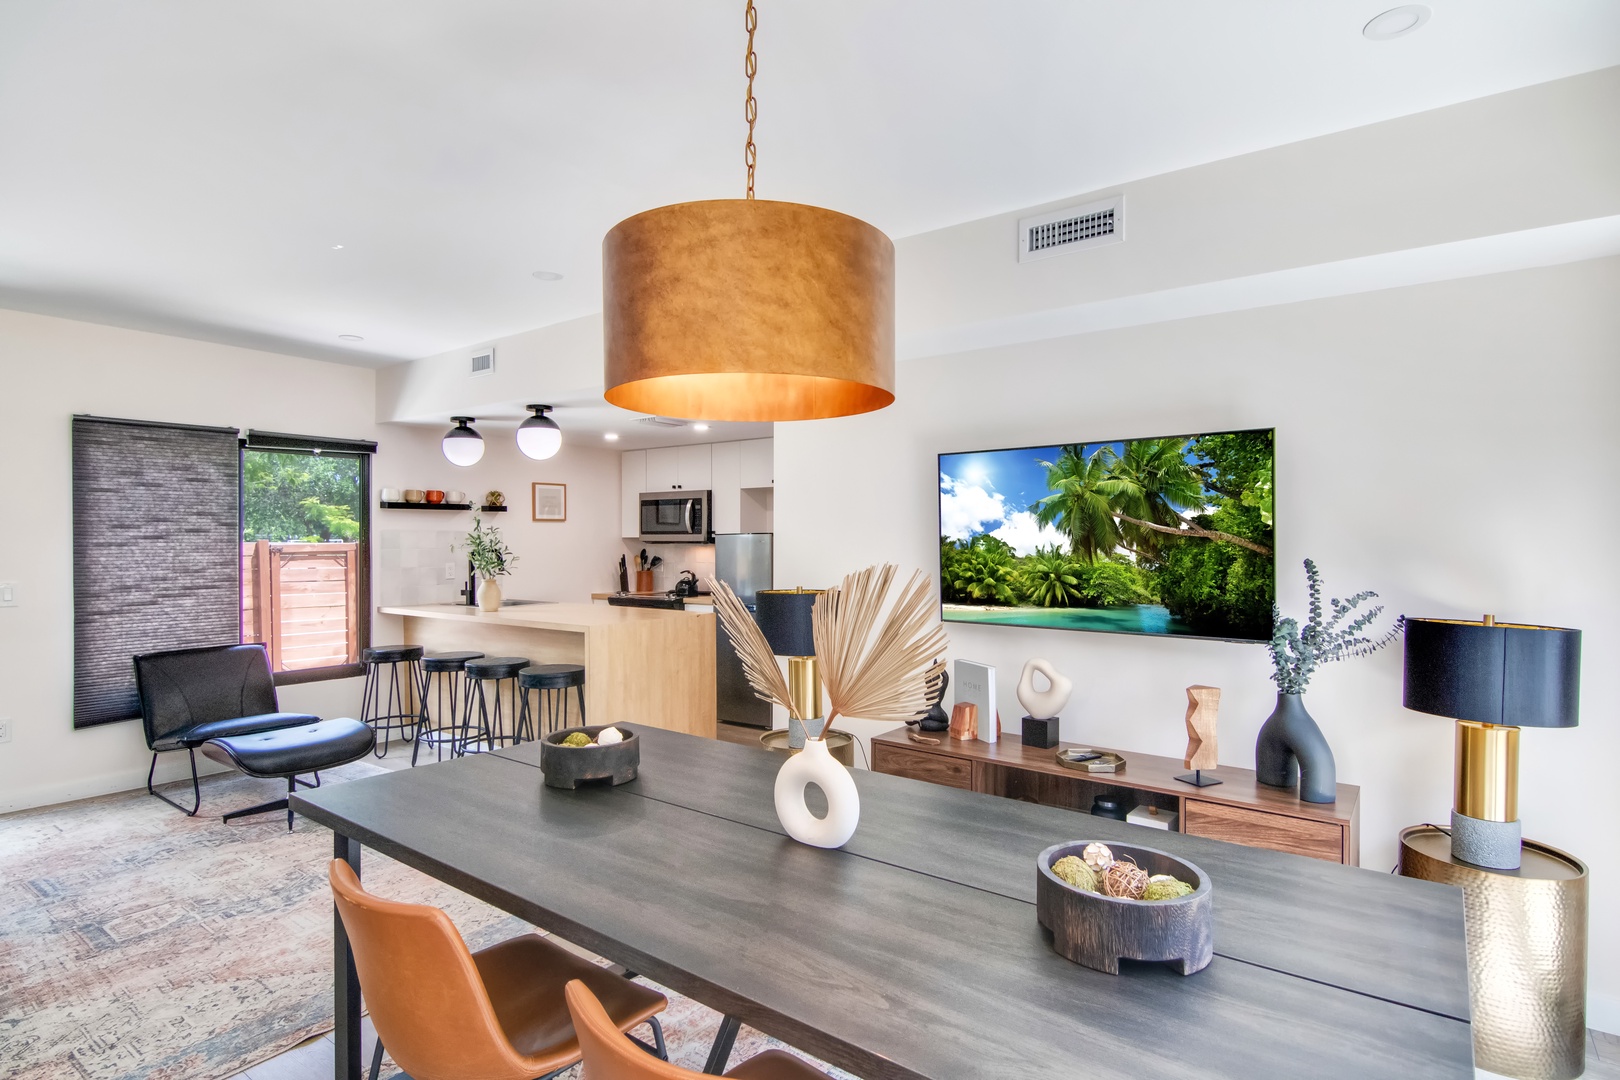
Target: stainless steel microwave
676,517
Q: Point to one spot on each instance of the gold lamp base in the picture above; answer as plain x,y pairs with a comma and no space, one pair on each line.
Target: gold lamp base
1526,933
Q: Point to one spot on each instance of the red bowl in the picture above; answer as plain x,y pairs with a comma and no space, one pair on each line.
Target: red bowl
435,496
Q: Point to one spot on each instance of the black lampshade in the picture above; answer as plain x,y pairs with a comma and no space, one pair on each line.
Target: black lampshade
1500,673
784,616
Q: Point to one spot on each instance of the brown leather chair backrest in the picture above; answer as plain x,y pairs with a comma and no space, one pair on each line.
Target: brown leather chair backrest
426,999
608,1054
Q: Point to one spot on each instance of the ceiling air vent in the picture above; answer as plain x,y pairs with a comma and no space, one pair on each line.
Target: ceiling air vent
661,421
482,363
1071,229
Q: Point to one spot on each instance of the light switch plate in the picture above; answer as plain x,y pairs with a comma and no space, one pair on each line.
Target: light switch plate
5,729
8,594
449,571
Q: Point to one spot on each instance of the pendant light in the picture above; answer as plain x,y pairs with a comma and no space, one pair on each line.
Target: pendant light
462,445
539,437
744,309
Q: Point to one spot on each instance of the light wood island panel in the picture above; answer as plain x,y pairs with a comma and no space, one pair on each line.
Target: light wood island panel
642,665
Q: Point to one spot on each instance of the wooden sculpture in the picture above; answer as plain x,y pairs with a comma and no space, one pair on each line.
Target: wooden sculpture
964,721
1203,706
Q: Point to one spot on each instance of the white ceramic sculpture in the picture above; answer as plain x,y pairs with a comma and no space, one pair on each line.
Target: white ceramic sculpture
1043,704
816,765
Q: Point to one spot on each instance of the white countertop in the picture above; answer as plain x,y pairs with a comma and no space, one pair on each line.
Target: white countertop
574,617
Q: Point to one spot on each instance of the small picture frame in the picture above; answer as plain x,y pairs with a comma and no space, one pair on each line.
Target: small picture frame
550,502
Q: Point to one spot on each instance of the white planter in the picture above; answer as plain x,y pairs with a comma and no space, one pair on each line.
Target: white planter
489,595
816,765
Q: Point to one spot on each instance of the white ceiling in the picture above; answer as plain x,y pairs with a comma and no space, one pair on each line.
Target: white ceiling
189,165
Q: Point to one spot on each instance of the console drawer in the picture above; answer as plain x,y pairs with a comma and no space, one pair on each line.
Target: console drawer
1256,828
935,768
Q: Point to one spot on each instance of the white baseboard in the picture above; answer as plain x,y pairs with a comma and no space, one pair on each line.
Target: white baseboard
171,767
1603,1013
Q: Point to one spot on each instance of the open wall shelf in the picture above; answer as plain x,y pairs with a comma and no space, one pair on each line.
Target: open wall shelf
425,506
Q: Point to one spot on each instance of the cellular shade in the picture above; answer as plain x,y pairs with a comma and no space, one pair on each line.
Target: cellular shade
156,552
784,616
1501,673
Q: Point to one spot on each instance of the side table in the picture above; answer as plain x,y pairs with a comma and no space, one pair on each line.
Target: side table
1526,932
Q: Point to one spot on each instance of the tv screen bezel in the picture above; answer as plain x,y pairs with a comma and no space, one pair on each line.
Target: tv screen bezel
939,531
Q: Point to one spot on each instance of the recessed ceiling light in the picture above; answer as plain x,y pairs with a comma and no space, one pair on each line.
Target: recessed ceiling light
350,337
611,436
700,427
1396,22
546,275
337,247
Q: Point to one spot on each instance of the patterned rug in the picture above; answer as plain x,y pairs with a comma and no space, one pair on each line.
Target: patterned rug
139,944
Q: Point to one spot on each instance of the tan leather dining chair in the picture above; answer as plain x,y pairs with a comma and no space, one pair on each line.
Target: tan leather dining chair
610,1056
445,1013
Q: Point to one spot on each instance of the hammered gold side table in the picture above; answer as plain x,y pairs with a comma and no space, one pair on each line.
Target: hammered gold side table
1526,932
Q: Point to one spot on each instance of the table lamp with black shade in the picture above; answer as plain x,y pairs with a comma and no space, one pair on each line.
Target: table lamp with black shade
784,618
1492,678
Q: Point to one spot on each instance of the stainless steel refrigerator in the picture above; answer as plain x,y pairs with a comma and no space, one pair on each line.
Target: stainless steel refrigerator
742,561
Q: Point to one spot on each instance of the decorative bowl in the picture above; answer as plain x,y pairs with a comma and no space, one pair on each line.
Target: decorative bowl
414,495
435,497
571,766
1098,931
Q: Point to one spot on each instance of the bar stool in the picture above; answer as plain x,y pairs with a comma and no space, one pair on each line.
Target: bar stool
493,718
399,712
449,667
551,682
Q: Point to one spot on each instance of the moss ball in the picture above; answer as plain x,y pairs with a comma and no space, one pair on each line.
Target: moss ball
577,738
1167,890
1075,872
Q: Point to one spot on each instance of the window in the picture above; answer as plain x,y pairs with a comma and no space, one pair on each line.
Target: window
306,592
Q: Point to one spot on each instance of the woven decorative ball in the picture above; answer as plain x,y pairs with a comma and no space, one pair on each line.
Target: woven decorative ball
1098,857
1075,872
1125,879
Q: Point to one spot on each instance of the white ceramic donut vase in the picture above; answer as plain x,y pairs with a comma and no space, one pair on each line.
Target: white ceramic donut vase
816,765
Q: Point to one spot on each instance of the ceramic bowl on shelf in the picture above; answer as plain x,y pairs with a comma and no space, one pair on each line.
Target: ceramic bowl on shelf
391,495
435,496
1098,931
414,495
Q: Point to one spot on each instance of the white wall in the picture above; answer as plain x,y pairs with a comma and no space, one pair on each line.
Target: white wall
50,369
1454,446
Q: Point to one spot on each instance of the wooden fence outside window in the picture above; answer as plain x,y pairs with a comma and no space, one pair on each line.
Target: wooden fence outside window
300,601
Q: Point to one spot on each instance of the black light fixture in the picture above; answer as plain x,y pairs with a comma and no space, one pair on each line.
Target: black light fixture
539,437
462,445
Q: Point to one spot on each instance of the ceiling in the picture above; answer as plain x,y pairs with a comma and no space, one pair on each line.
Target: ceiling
192,167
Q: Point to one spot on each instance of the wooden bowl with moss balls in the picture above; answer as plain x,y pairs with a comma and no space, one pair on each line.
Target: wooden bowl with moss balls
567,766
1097,930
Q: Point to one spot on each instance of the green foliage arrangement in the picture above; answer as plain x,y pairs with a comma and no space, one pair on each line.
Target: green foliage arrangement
489,555
1297,652
294,497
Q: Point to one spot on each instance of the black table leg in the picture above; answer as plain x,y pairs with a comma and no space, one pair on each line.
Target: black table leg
345,978
720,1052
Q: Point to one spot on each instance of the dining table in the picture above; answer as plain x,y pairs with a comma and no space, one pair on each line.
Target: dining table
913,952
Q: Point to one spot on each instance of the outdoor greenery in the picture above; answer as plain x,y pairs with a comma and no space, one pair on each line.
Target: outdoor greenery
486,550
1296,653
1181,522
295,497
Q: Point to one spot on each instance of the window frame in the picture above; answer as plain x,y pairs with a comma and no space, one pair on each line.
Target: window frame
277,442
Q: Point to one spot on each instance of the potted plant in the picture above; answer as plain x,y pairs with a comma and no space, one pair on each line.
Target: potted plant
490,558
1291,748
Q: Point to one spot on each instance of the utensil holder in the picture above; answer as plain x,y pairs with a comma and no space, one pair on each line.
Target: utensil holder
644,581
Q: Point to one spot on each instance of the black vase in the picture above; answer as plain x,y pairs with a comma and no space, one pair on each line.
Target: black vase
1292,749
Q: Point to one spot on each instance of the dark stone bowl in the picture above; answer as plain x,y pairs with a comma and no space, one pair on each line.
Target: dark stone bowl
1098,931
571,766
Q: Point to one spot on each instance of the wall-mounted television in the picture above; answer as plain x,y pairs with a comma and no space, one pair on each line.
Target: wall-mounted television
1170,535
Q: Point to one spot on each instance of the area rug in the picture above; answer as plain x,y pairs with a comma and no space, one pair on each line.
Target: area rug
139,944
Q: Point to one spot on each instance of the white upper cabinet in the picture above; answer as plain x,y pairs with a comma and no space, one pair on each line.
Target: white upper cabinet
726,483
678,468
758,463
632,482
695,470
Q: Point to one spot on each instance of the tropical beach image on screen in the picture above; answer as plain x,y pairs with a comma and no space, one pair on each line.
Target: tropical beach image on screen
1143,536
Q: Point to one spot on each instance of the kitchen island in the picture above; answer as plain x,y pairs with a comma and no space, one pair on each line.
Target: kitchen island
642,665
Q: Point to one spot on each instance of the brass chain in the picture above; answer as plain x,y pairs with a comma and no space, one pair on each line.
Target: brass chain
750,106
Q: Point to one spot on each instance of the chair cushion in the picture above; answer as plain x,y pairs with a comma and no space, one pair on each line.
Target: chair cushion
526,977
776,1065
289,751
197,734
497,667
551,676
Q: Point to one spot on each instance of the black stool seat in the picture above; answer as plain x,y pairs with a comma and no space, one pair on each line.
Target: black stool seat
448,661
287,752
391,654
551,676
496,667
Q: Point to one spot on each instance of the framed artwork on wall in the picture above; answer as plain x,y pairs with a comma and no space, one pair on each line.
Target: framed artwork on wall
550,502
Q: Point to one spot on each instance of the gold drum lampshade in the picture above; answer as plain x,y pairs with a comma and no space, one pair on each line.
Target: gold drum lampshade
748,310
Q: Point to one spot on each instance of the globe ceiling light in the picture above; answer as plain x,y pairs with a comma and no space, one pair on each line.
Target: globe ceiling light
462,445
745,309
539,437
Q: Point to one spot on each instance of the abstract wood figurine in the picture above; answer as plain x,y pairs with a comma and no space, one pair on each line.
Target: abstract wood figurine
964,721
1203,705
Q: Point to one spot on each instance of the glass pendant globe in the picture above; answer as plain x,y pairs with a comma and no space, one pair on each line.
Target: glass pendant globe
463,446
539,437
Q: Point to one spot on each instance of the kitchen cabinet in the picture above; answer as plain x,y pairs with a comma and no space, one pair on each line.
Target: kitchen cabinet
678,468
725,482
632,482
757,463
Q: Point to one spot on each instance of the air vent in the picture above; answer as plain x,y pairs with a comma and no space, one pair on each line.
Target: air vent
482,363
661,421
1071,229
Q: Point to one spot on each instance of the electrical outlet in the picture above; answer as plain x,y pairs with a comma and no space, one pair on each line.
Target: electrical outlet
449,571
5,729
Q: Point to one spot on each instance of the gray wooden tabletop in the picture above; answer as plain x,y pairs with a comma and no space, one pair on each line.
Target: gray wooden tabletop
915,951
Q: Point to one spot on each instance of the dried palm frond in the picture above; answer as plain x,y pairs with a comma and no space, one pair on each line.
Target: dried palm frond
887,679
759,663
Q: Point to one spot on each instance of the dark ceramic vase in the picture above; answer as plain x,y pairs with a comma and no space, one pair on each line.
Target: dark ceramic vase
1292,749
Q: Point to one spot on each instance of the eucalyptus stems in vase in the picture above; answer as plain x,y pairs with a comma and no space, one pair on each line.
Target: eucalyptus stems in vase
490,558
1291,748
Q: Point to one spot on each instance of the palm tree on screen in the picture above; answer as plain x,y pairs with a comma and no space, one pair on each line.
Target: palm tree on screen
1080,506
